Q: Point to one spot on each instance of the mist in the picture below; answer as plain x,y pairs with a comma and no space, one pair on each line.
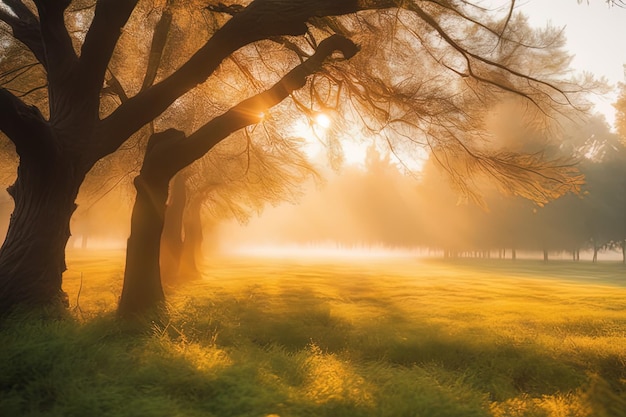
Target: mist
378,206
374,205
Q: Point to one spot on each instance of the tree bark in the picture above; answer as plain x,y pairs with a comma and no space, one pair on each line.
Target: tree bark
32,258
55,153
142,293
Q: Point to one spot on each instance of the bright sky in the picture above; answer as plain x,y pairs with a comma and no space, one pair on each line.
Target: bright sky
595,34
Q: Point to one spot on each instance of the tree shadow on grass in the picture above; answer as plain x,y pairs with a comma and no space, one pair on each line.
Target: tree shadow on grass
280,349
377,329
66,368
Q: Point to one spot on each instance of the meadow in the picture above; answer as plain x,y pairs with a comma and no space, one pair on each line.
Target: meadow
313,337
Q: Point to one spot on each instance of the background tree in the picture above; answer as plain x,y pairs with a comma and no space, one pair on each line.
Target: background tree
235,180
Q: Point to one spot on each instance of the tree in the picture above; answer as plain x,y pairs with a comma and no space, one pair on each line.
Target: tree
611,3
620,110
236,179
57,146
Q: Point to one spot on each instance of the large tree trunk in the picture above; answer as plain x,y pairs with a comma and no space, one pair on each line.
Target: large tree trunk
142,293
32,258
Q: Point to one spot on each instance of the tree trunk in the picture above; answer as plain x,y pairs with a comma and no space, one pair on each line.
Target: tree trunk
192,245
172,237
545,255
142,293
32,258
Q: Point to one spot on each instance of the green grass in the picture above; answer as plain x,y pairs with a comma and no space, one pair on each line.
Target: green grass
267,338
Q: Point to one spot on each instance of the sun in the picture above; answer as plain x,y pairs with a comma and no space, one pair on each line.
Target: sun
322,120
313,132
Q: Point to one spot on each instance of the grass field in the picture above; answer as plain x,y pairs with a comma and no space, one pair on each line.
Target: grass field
268,338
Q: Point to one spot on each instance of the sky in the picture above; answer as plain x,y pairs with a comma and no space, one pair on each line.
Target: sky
595,34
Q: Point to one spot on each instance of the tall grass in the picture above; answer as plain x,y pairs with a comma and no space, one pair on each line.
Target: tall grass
311,338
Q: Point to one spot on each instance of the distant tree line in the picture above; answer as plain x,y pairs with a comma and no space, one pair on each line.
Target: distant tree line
378,205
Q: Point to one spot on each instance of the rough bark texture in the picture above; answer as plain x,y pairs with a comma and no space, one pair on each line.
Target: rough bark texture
55,154
142,292
32,258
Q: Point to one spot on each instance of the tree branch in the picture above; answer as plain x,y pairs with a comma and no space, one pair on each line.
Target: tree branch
181,152
115,87
21,123
159,39
109,18
60,57
25,27
467,55
231,9
262,19
265,19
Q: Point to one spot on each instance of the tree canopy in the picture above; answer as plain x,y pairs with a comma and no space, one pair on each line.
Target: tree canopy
416,74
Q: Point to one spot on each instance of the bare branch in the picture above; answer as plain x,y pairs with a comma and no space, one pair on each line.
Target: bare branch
184,152
231,9
159,39
15,73
25,27
467,55
60,56
262,19
115,87
21,123
109,18
32,90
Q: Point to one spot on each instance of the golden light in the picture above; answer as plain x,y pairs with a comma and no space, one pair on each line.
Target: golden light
322,121
313,131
